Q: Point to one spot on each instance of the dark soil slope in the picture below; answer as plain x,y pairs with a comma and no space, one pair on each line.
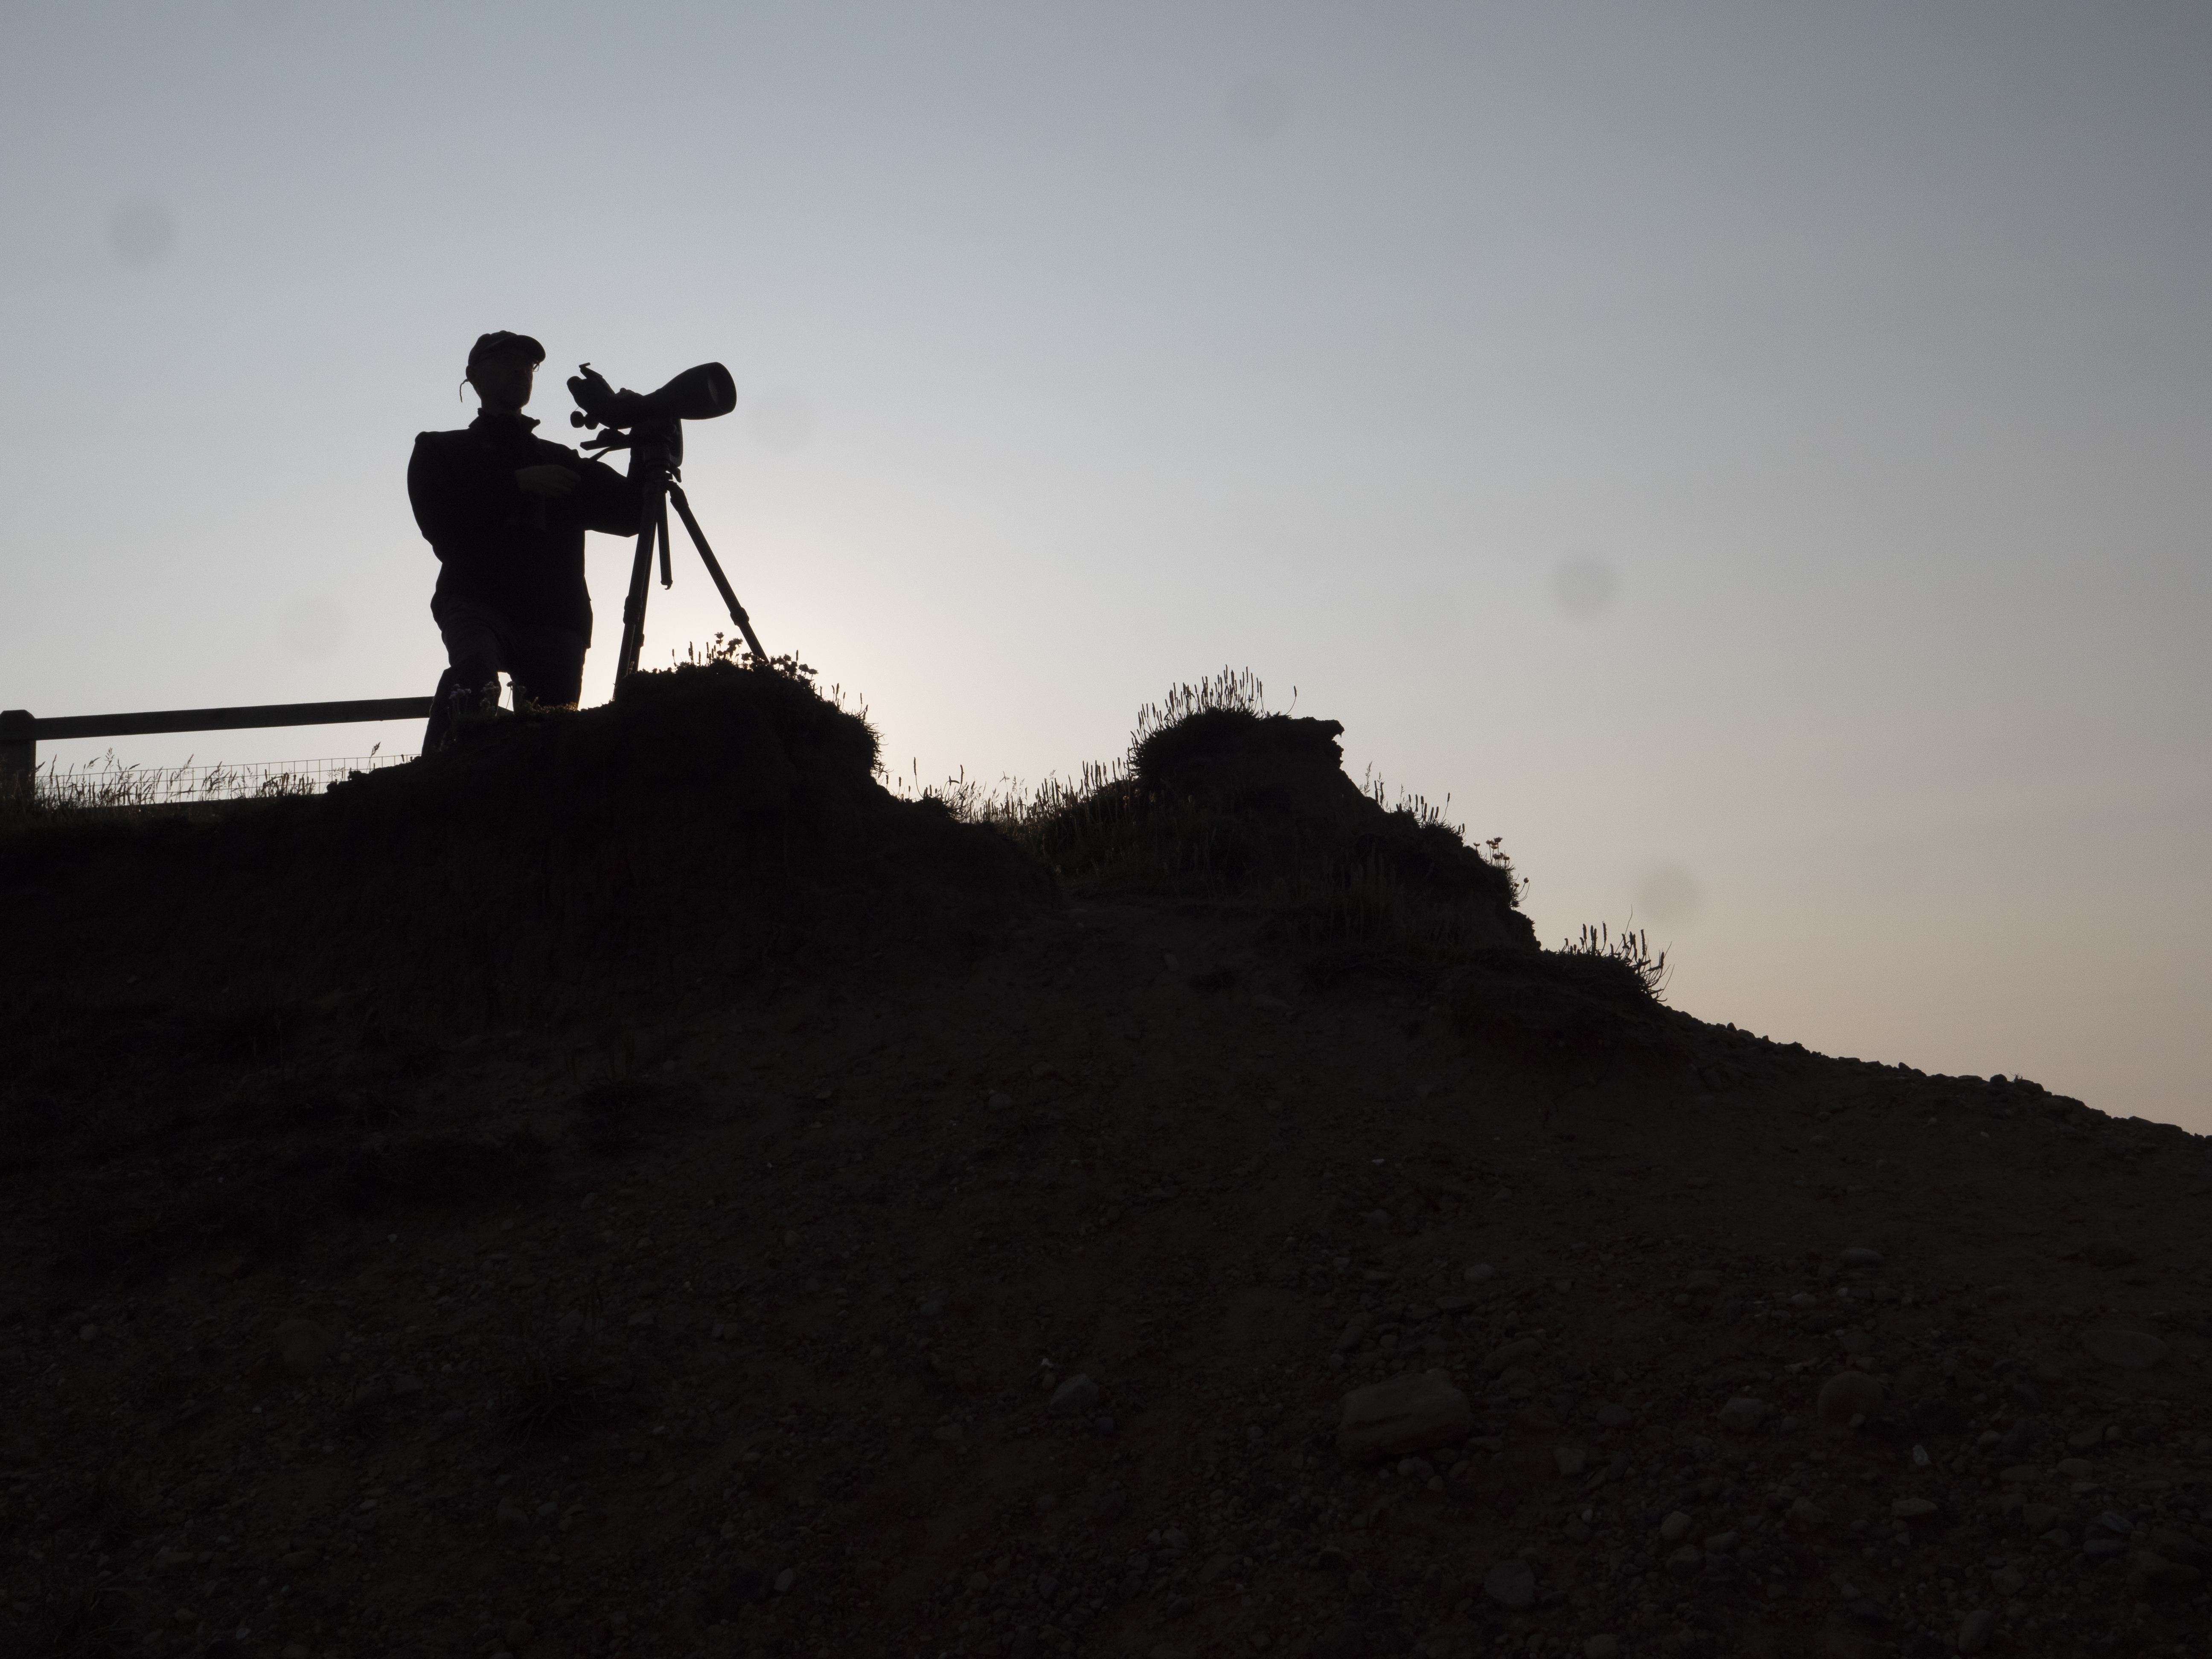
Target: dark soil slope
633,1189
709,822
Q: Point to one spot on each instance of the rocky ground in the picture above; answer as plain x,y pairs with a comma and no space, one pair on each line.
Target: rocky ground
1092,1278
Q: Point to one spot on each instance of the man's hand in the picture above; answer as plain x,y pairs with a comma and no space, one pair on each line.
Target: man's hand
552,481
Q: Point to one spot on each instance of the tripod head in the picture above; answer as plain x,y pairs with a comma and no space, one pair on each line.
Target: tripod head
649,418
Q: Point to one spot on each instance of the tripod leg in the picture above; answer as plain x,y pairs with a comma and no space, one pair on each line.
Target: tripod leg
715,569
667,580
633,640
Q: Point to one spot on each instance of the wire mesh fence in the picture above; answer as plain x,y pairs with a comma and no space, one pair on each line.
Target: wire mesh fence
109,783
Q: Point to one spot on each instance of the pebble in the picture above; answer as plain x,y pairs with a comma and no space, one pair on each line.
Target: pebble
2040,1518
1743,1415
1512,1584
89,1332
1078,1393
2134,1350
1858,1256
1702,1280
1571,1460
1478,1272
1721,1543
1686,1562
1601,1647
1502,1357
1907,1508
1354,1330
1404,1415
1974,1629
302,1344
1848,1394
1674,1527
1610,1416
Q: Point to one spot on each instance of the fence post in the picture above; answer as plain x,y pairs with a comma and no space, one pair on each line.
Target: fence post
19,751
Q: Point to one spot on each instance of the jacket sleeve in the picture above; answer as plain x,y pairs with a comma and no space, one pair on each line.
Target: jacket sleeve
610,501
456,502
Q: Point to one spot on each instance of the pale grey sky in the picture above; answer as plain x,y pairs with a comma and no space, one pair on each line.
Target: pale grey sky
1751,457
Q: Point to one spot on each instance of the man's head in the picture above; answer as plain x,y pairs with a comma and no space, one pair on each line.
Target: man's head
503,367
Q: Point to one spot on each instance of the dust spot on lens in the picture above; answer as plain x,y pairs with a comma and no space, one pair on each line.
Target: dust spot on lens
1668,894
313,626
141,232
1258,109
1585,586
1428,616
783,419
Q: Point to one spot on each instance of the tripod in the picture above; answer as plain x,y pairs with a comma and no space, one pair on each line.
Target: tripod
656,449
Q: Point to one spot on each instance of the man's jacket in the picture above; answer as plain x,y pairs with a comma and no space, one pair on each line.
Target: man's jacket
522,555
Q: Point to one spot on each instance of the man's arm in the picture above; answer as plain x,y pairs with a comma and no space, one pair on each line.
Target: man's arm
455,502
607,501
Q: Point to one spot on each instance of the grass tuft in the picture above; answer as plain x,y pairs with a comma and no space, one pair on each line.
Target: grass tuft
1627,958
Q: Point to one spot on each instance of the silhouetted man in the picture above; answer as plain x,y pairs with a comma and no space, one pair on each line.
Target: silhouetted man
506,512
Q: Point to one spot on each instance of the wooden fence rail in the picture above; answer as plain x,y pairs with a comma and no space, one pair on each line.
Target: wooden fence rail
21,731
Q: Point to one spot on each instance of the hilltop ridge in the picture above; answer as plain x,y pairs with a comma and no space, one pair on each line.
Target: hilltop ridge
633,1185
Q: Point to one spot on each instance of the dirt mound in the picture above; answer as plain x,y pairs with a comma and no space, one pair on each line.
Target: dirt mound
711,823
995,1273
1232,804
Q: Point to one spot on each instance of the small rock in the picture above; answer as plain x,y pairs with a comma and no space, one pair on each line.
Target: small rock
512,1514
2103,1549
1858,1256
1612,1417
1855,1341
1907,1508
2074,1468
1702,1281
2134,1350
1354,1330
1974,1629
1503,1356
1571,1460
1078,1393
1404,1415
1743,1415
2040,1518
2153,1569
1511,1585
1686,1562
1848,1394
1478,1272
2007,1581
302,1344
2087,1439
1601,1647
1674,1527
2178,1546
2110,1255
1806,1513
88,1332
1000,1100
1721,1543
785,1579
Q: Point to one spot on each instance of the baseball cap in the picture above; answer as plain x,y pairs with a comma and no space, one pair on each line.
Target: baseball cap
500,343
